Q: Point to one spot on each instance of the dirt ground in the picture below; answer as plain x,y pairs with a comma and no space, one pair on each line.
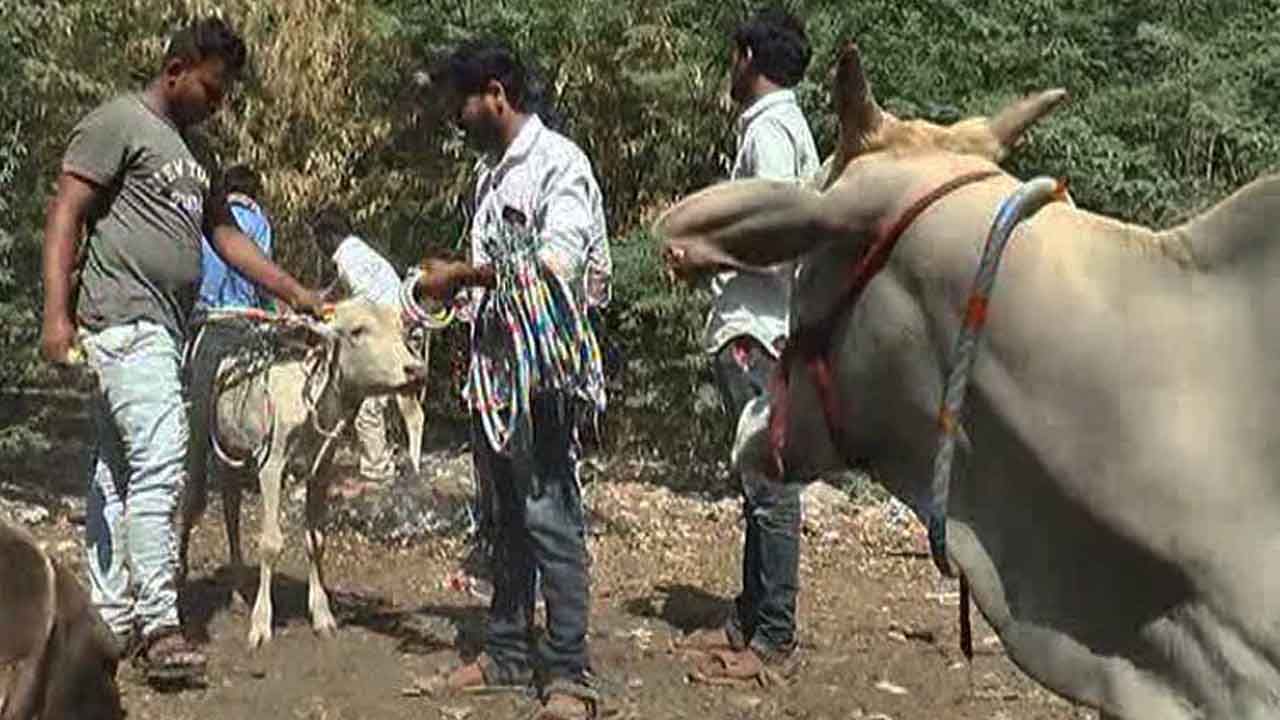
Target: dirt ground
878,626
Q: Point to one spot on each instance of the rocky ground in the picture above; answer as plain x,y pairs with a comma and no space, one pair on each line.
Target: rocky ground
879,627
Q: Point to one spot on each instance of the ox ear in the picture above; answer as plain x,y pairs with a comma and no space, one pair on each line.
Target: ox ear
744,225
1009,124
860,115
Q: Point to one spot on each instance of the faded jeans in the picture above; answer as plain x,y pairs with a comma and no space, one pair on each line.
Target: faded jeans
539,536
765,611
136,477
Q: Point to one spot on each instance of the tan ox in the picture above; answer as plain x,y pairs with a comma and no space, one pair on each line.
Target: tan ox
64,654
281,421
1117,513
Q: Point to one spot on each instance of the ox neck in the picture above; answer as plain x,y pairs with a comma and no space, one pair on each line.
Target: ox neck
809,345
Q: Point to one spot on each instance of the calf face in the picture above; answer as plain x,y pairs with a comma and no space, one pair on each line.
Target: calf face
372,357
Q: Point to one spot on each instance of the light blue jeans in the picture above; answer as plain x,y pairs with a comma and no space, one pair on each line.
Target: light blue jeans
136,476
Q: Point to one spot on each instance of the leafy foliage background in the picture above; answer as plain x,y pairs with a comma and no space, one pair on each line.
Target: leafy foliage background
1174,104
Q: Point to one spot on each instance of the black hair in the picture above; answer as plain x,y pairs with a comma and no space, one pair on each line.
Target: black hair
779,47
330,227
473,64
242,179
470,67
208,37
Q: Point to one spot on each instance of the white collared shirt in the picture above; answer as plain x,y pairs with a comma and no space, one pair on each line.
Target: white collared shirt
547,180
774,142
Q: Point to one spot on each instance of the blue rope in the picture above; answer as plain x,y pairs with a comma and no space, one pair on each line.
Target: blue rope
1024,202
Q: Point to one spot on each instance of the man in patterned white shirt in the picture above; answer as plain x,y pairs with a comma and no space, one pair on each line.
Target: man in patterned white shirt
745,331
535,178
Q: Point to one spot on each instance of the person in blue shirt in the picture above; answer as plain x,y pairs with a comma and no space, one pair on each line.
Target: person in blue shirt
220,285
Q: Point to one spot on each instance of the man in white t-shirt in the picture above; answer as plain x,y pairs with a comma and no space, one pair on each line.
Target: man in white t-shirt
744,335
369,276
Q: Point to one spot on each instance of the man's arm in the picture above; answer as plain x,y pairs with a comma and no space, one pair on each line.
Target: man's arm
262,235
64,224
243,254
441,279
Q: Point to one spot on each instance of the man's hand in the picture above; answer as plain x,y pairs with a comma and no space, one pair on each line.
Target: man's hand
63,226
57,339
440,279
308,302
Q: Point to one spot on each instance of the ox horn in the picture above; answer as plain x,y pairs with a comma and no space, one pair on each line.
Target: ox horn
860,114
1009,125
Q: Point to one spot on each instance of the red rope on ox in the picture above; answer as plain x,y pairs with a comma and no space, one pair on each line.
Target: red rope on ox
809,344
966,623
975,315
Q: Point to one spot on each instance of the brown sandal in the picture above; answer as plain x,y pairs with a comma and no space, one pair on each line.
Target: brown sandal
477,677
167,657
704,641
568,701
728,667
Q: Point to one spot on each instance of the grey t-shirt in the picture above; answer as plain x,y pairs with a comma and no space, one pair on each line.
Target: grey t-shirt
143,254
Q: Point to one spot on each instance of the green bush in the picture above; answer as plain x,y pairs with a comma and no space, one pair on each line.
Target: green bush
1174,105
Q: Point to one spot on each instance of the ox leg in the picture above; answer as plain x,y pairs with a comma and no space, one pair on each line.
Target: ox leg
269,548
317,599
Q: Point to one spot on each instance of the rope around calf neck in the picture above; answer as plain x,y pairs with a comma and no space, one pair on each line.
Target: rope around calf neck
261,355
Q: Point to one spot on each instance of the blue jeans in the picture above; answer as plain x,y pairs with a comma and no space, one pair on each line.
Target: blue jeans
136,477
537,534
765,611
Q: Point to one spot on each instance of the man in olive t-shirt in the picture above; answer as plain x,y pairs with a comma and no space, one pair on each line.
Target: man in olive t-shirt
129,178
143,255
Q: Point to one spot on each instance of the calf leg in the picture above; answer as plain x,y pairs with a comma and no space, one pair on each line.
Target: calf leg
231,516
269,547
195,499
231,494
317,599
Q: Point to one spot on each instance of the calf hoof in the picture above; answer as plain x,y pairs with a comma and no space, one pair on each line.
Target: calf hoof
239,606
325,626
258,636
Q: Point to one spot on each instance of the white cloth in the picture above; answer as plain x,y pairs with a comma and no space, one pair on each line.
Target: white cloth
367,273
775,143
